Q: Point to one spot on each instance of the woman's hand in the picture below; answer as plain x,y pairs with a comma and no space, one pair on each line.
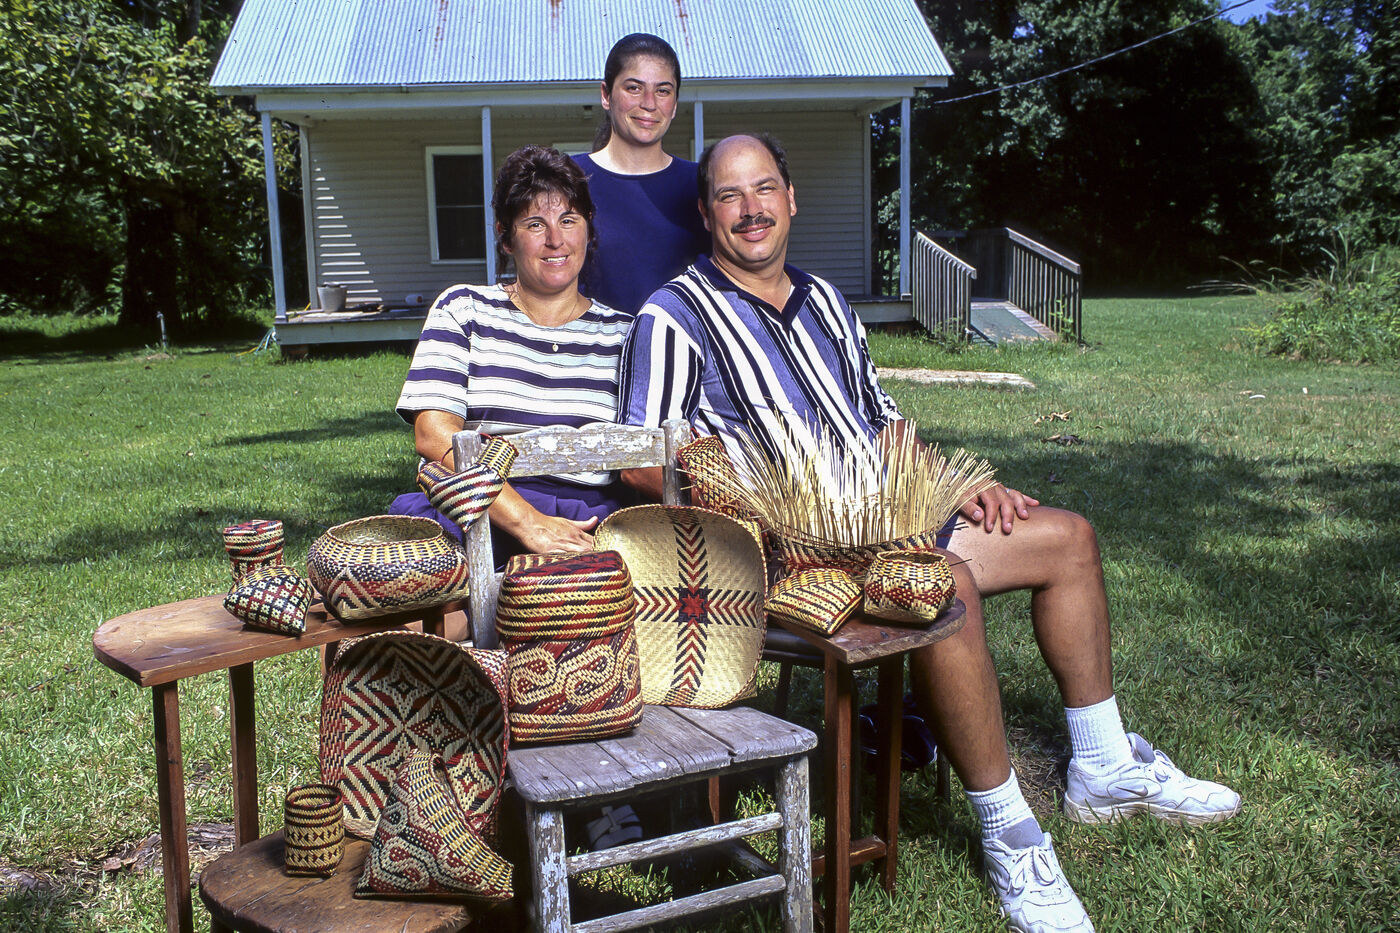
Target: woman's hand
999,503
548,533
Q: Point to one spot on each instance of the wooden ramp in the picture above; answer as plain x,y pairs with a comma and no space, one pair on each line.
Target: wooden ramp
996,322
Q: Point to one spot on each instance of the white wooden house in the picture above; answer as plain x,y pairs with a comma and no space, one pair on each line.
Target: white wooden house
406,107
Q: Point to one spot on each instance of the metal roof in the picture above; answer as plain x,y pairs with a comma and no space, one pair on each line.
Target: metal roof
375,44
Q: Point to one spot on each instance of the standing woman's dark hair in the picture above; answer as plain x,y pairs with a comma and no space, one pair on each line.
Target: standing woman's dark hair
623,51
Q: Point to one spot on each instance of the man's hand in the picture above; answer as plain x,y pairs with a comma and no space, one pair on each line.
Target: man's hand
998,504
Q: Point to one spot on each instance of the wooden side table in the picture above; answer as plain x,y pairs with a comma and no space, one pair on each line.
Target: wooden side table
159,647
863,641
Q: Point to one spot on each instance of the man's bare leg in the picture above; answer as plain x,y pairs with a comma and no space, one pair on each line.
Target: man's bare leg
1055,555
956,687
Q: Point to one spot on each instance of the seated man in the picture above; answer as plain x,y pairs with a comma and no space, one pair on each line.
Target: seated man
740,342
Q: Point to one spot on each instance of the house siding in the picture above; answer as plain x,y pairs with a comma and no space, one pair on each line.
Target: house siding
368,193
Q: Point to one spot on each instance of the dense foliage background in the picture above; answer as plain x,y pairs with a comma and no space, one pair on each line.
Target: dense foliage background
126,184
1269,140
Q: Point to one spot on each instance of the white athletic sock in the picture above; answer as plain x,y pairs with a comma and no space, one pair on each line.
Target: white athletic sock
1097,737
1000,808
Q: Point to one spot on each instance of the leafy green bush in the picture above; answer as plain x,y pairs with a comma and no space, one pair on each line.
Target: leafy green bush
1351,313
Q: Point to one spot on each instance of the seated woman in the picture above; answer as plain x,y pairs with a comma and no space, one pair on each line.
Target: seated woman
502,359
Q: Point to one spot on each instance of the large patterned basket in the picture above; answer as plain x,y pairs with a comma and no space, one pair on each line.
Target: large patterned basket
567,625
391,693
423,844
386,564
802,552
699,582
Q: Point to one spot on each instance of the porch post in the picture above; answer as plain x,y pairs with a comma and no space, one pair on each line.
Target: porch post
274,222
904,236
699,145
488,176
308,217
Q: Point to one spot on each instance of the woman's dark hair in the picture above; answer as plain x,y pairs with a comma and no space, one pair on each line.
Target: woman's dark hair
529,172
637,45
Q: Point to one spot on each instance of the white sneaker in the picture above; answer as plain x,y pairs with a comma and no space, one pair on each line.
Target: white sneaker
1031,886
1148,784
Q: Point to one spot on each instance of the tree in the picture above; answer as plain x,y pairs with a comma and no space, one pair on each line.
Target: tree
115,153
1145,166
1328,74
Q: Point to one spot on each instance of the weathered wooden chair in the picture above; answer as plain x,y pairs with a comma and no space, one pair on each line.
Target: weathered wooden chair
671,751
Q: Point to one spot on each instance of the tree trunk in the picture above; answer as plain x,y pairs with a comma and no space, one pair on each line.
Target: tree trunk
149,282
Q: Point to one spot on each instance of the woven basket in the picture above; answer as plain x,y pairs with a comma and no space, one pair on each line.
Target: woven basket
912,587
801,552
271,597
386,564
252,544
465,495
568,626
314,830
818,600
391,693
424,845
699,582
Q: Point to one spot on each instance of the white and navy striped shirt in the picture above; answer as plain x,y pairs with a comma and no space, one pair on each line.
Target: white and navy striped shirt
482,359
728,362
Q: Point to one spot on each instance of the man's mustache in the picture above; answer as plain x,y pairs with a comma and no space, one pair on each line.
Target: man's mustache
753,223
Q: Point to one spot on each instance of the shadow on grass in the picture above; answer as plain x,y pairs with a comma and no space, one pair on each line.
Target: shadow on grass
1314,611
79,339
369,422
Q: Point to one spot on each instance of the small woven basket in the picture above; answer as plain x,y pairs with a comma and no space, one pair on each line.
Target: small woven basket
314,830
820,600
253,544
386,564
911,587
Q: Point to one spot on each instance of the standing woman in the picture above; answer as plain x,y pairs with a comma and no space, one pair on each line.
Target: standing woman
648,218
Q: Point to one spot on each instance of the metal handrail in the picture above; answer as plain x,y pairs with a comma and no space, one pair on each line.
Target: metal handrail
1044,284
940,289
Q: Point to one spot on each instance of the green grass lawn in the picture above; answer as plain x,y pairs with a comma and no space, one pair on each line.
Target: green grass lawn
1248,510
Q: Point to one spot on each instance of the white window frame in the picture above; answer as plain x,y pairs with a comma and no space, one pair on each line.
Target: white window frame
434,253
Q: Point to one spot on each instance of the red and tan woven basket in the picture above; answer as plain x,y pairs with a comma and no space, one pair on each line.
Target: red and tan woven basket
820,600
391,693
424,845
700,582
386,564
313,830
253,544
910,587
567,624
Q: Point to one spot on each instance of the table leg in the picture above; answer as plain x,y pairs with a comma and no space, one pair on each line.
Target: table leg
170,792
243,736
891,732
836,877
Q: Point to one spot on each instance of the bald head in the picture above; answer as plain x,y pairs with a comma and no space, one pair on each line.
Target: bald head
727,145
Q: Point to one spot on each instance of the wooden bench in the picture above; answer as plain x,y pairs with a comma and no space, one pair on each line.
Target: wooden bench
159,647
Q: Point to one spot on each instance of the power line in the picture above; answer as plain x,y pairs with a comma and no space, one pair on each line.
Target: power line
1093,61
